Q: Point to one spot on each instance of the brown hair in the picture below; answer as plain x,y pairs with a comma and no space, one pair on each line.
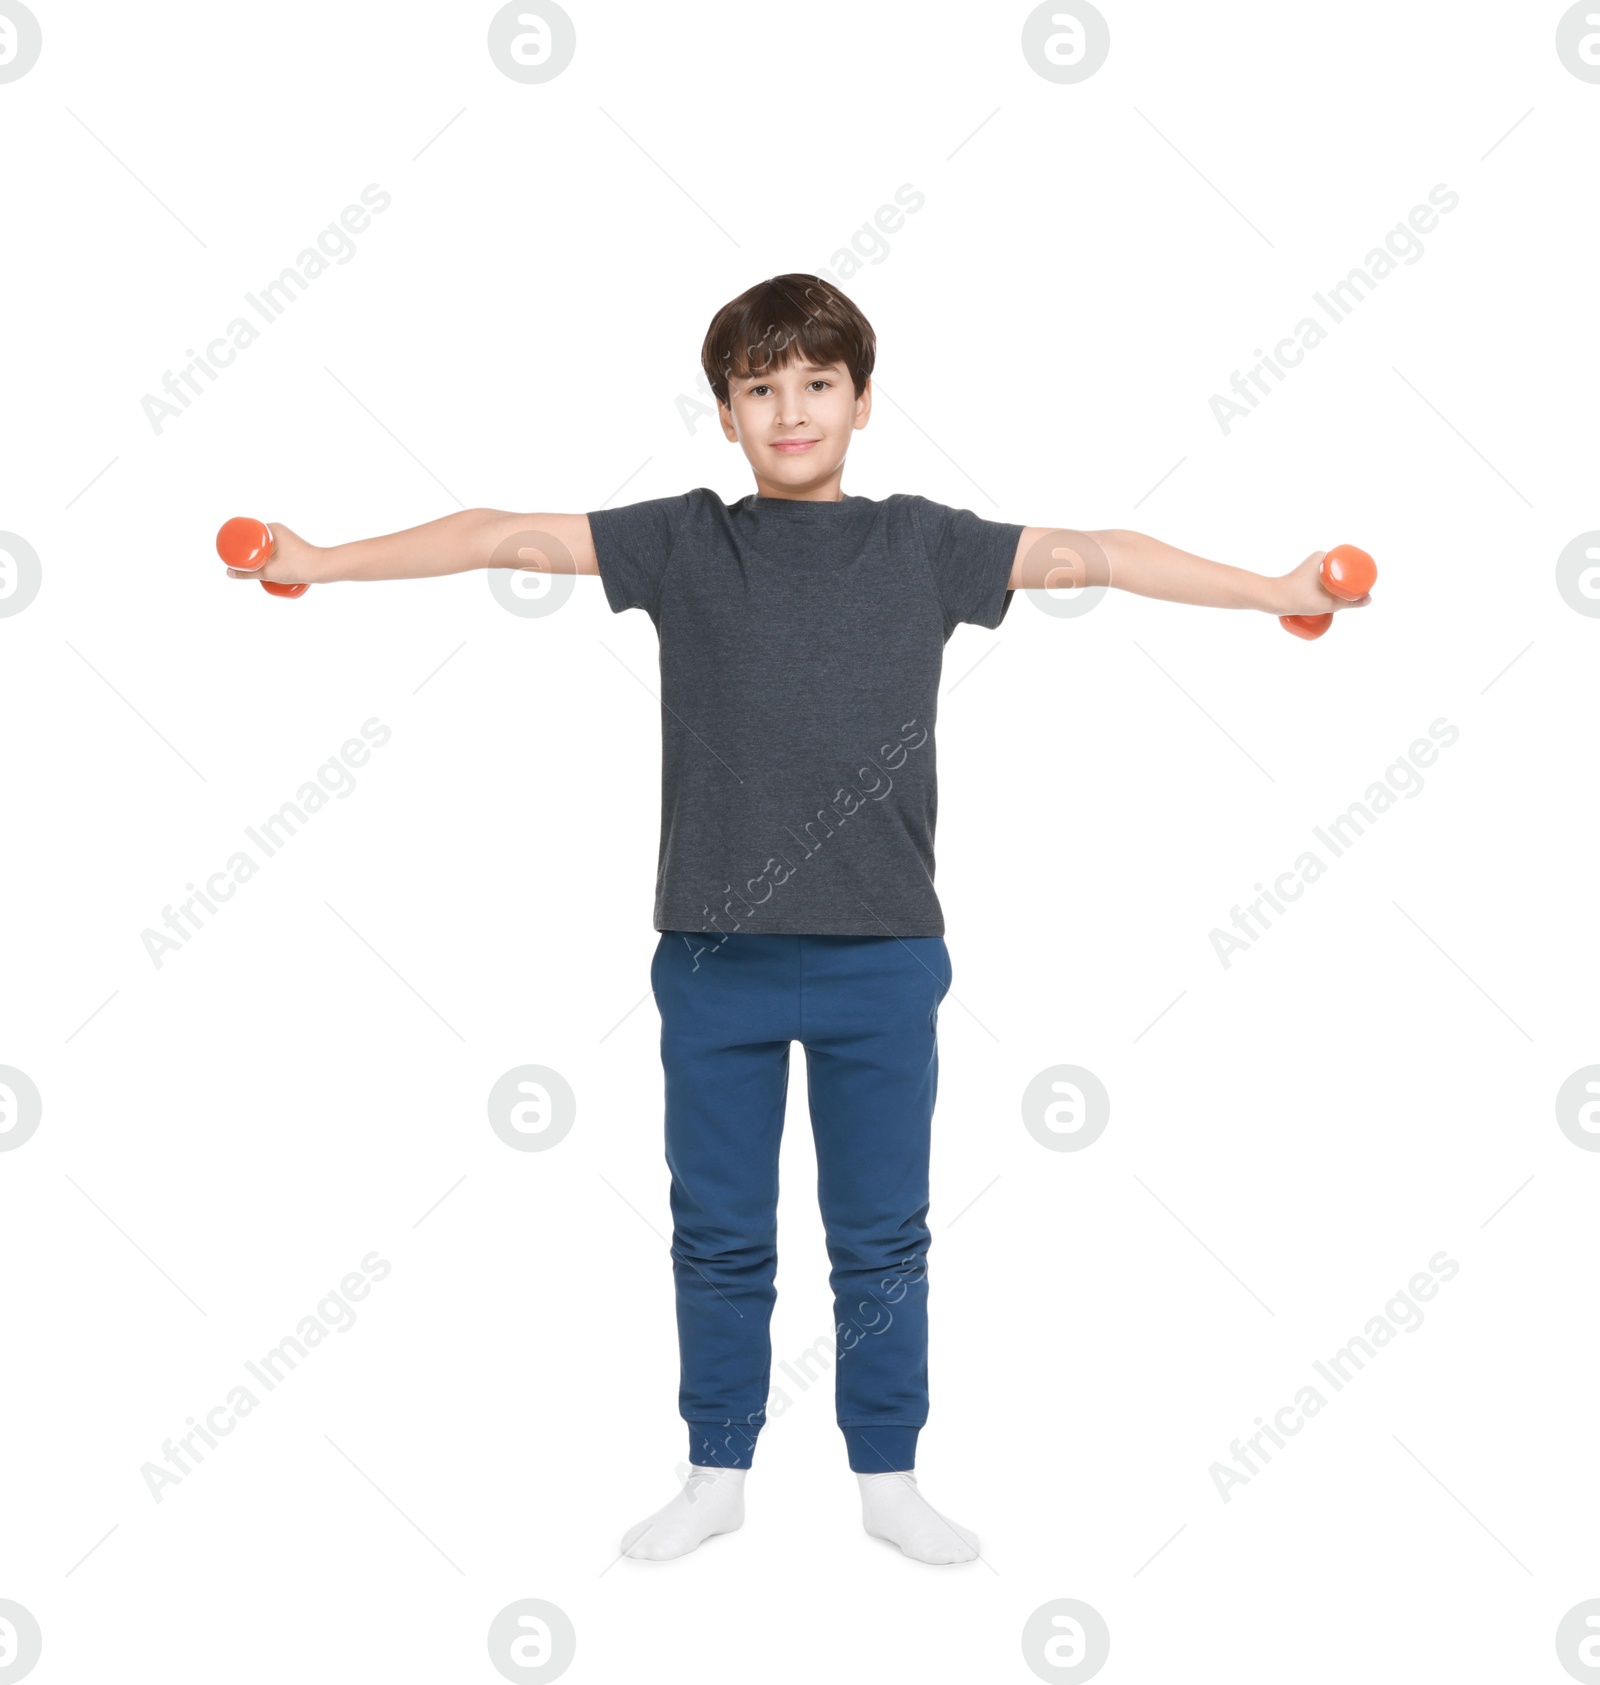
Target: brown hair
782,319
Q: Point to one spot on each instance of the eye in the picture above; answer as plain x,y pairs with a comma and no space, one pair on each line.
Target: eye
821,382
756,389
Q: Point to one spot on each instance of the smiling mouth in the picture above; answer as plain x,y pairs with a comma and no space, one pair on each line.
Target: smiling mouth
793,446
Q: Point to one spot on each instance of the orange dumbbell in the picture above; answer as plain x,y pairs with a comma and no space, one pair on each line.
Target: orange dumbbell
1346,572
246,544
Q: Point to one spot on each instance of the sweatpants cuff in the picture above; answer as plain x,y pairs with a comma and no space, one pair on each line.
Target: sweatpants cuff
722,1445
880,1450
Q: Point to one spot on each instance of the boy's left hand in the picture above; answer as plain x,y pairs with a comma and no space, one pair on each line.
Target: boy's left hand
1302,592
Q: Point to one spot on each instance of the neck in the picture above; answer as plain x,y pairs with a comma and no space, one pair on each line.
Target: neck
822,490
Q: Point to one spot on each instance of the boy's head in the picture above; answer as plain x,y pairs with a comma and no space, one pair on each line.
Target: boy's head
790,362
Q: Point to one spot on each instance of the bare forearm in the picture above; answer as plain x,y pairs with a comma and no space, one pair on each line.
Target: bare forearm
452,544
1150,568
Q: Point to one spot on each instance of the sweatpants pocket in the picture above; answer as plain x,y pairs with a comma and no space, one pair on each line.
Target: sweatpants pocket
655,963
941,989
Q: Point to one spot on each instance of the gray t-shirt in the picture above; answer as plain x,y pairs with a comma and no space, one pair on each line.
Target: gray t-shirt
801,644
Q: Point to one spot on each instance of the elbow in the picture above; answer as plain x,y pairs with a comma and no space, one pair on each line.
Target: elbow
1117,545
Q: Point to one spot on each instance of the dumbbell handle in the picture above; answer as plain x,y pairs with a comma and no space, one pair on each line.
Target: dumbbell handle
247,544
1346,572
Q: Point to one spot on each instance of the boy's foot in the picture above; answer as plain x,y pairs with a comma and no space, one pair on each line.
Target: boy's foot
712,1501
892,1508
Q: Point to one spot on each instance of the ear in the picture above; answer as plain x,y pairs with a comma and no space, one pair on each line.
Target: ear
864,405
729,430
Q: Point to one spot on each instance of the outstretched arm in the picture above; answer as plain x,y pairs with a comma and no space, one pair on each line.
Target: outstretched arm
471,538
1056,557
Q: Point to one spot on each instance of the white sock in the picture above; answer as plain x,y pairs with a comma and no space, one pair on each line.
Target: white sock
892,1508
712,1501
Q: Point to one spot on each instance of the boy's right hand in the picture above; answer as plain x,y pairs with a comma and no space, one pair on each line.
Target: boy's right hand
1303,592
292,562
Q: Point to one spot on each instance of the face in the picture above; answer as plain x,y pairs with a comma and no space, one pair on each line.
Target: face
794,425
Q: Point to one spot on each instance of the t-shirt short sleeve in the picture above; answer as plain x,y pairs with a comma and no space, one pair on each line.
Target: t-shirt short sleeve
633,544
970,559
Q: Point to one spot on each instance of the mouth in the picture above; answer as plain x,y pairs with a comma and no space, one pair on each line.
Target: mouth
794,447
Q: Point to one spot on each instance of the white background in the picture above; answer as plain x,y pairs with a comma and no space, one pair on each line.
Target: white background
226,1136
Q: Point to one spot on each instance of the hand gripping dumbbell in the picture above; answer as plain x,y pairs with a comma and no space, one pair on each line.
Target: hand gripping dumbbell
245,544
1346,572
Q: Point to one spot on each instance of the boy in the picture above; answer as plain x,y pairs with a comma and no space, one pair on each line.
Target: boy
801,634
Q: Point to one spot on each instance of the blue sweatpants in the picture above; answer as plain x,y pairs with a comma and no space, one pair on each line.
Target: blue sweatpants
865,1009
